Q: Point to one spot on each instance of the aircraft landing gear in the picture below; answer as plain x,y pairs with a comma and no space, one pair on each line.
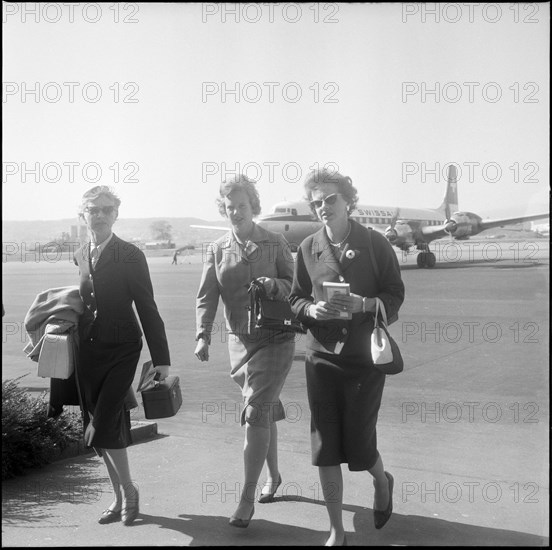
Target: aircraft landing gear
426,259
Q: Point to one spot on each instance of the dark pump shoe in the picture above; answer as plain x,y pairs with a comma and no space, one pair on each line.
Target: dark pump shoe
269,497
109,516
381,517
241,523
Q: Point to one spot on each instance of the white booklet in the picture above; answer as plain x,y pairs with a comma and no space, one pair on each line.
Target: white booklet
337,288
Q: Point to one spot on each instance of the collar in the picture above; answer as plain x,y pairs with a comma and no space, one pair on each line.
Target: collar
101,246
257,236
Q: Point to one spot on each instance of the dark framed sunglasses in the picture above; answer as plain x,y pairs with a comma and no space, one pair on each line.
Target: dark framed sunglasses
95,210
330,199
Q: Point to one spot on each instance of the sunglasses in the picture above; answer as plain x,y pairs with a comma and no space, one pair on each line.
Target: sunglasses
95,210
330,199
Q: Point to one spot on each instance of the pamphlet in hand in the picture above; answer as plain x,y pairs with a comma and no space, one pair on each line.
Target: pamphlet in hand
337,288
147,378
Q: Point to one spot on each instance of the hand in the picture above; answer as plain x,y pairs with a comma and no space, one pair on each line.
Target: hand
323,311
351,303
202,350
163,371
89,433
269,284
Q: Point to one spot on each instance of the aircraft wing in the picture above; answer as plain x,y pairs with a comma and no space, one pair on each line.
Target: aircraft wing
464,224
216,227
488,224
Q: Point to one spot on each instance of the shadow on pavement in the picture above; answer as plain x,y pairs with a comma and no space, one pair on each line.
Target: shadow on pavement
401,530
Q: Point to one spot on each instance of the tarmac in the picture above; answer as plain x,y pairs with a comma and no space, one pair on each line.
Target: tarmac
463,430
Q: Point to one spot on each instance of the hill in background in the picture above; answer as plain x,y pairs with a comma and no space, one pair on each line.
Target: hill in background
43,231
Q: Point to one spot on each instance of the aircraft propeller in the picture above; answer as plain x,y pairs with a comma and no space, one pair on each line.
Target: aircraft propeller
391,232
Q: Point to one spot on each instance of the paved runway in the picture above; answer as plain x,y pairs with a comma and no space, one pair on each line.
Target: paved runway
464,429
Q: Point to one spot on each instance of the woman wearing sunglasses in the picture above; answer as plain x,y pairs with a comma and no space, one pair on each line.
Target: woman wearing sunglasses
344,388
114,274
260,359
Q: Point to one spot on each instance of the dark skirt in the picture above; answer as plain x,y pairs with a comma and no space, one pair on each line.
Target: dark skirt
344,399
106,372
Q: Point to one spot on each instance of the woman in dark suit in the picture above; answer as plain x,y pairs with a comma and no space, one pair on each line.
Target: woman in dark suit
260,359
113,275
344,387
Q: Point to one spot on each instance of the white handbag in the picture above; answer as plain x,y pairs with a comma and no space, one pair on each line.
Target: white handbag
385,352
56,356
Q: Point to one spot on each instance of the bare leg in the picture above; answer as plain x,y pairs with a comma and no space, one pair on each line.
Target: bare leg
381,485
272,471
113,476
257,441
331,480
118,458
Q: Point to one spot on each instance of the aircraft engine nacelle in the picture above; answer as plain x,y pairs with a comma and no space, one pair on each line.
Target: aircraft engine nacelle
463,224
400,235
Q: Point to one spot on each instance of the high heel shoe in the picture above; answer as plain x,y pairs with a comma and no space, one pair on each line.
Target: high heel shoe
344,543
109,516
239,522
381,517
269,497
130,512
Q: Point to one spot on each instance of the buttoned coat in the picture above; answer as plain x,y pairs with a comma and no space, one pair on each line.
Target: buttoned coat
227,272
316,263
119,279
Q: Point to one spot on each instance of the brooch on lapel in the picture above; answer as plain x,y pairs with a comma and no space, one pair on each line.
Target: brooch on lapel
350,254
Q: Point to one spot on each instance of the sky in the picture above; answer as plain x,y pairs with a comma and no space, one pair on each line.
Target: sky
163,101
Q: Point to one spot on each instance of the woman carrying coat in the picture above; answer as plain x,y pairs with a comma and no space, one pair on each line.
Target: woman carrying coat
344,388
260,359
113,275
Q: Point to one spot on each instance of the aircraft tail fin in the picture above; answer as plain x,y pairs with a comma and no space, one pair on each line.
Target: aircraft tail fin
450,201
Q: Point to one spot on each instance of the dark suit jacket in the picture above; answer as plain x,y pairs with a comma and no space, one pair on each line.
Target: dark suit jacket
316,263
120,277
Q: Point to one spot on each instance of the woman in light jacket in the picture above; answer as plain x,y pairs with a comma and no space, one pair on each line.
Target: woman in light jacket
260,359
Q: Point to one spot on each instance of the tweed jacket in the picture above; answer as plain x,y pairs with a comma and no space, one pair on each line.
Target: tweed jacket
316,263
119,279
227,272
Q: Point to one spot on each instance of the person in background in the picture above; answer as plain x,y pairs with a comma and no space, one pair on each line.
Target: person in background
344,388
114,274
260,359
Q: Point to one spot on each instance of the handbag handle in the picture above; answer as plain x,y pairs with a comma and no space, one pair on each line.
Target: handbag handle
380,307
256,288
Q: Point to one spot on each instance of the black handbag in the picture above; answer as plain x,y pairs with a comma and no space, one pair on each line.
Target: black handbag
268,313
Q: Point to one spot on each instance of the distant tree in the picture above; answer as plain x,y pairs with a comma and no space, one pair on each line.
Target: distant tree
161,230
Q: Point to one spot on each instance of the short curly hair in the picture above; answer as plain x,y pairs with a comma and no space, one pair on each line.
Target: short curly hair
344,185
239,182
98,191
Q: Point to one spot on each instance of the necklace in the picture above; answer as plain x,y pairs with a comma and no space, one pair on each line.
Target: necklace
340,244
